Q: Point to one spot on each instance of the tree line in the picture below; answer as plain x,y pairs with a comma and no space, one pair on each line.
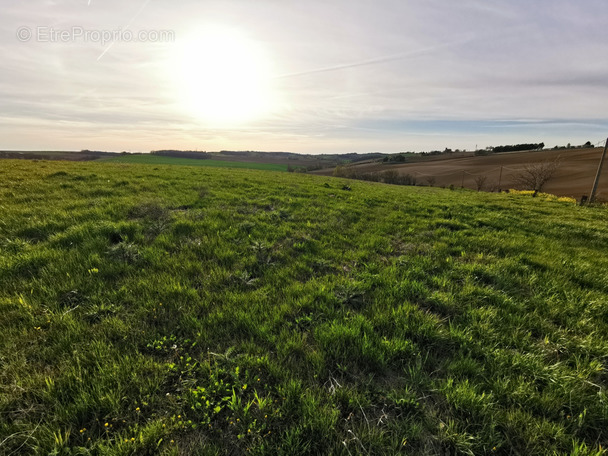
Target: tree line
181,154
519,147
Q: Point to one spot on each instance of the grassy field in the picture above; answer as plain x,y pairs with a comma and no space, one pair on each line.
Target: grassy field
160,160
197,310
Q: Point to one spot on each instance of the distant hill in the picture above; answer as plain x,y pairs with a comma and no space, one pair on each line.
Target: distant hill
573,178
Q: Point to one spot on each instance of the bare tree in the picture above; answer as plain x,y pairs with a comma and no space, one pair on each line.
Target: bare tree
431,180
390,176
480,181
534,176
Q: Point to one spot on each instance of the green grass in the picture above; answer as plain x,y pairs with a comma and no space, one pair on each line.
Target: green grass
161,160
195,310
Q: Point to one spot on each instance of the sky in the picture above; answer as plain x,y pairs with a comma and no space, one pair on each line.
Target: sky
309,77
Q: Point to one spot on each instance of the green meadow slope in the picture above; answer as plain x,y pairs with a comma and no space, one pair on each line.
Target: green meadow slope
150,159
192,310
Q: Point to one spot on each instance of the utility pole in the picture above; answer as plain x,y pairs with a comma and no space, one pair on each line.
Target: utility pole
599,172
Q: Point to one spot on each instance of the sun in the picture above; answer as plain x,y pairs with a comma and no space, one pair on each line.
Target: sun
223,77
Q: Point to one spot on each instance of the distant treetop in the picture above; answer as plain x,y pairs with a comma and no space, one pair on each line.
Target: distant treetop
519,147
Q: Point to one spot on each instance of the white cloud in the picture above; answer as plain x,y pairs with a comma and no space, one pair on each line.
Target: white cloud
351,75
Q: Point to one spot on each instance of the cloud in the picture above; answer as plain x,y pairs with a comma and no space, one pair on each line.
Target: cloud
387,75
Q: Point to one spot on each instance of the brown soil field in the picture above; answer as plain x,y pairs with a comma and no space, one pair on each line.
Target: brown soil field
573,178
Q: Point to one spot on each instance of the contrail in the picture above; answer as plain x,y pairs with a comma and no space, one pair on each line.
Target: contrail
105,51
126,27
375,61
